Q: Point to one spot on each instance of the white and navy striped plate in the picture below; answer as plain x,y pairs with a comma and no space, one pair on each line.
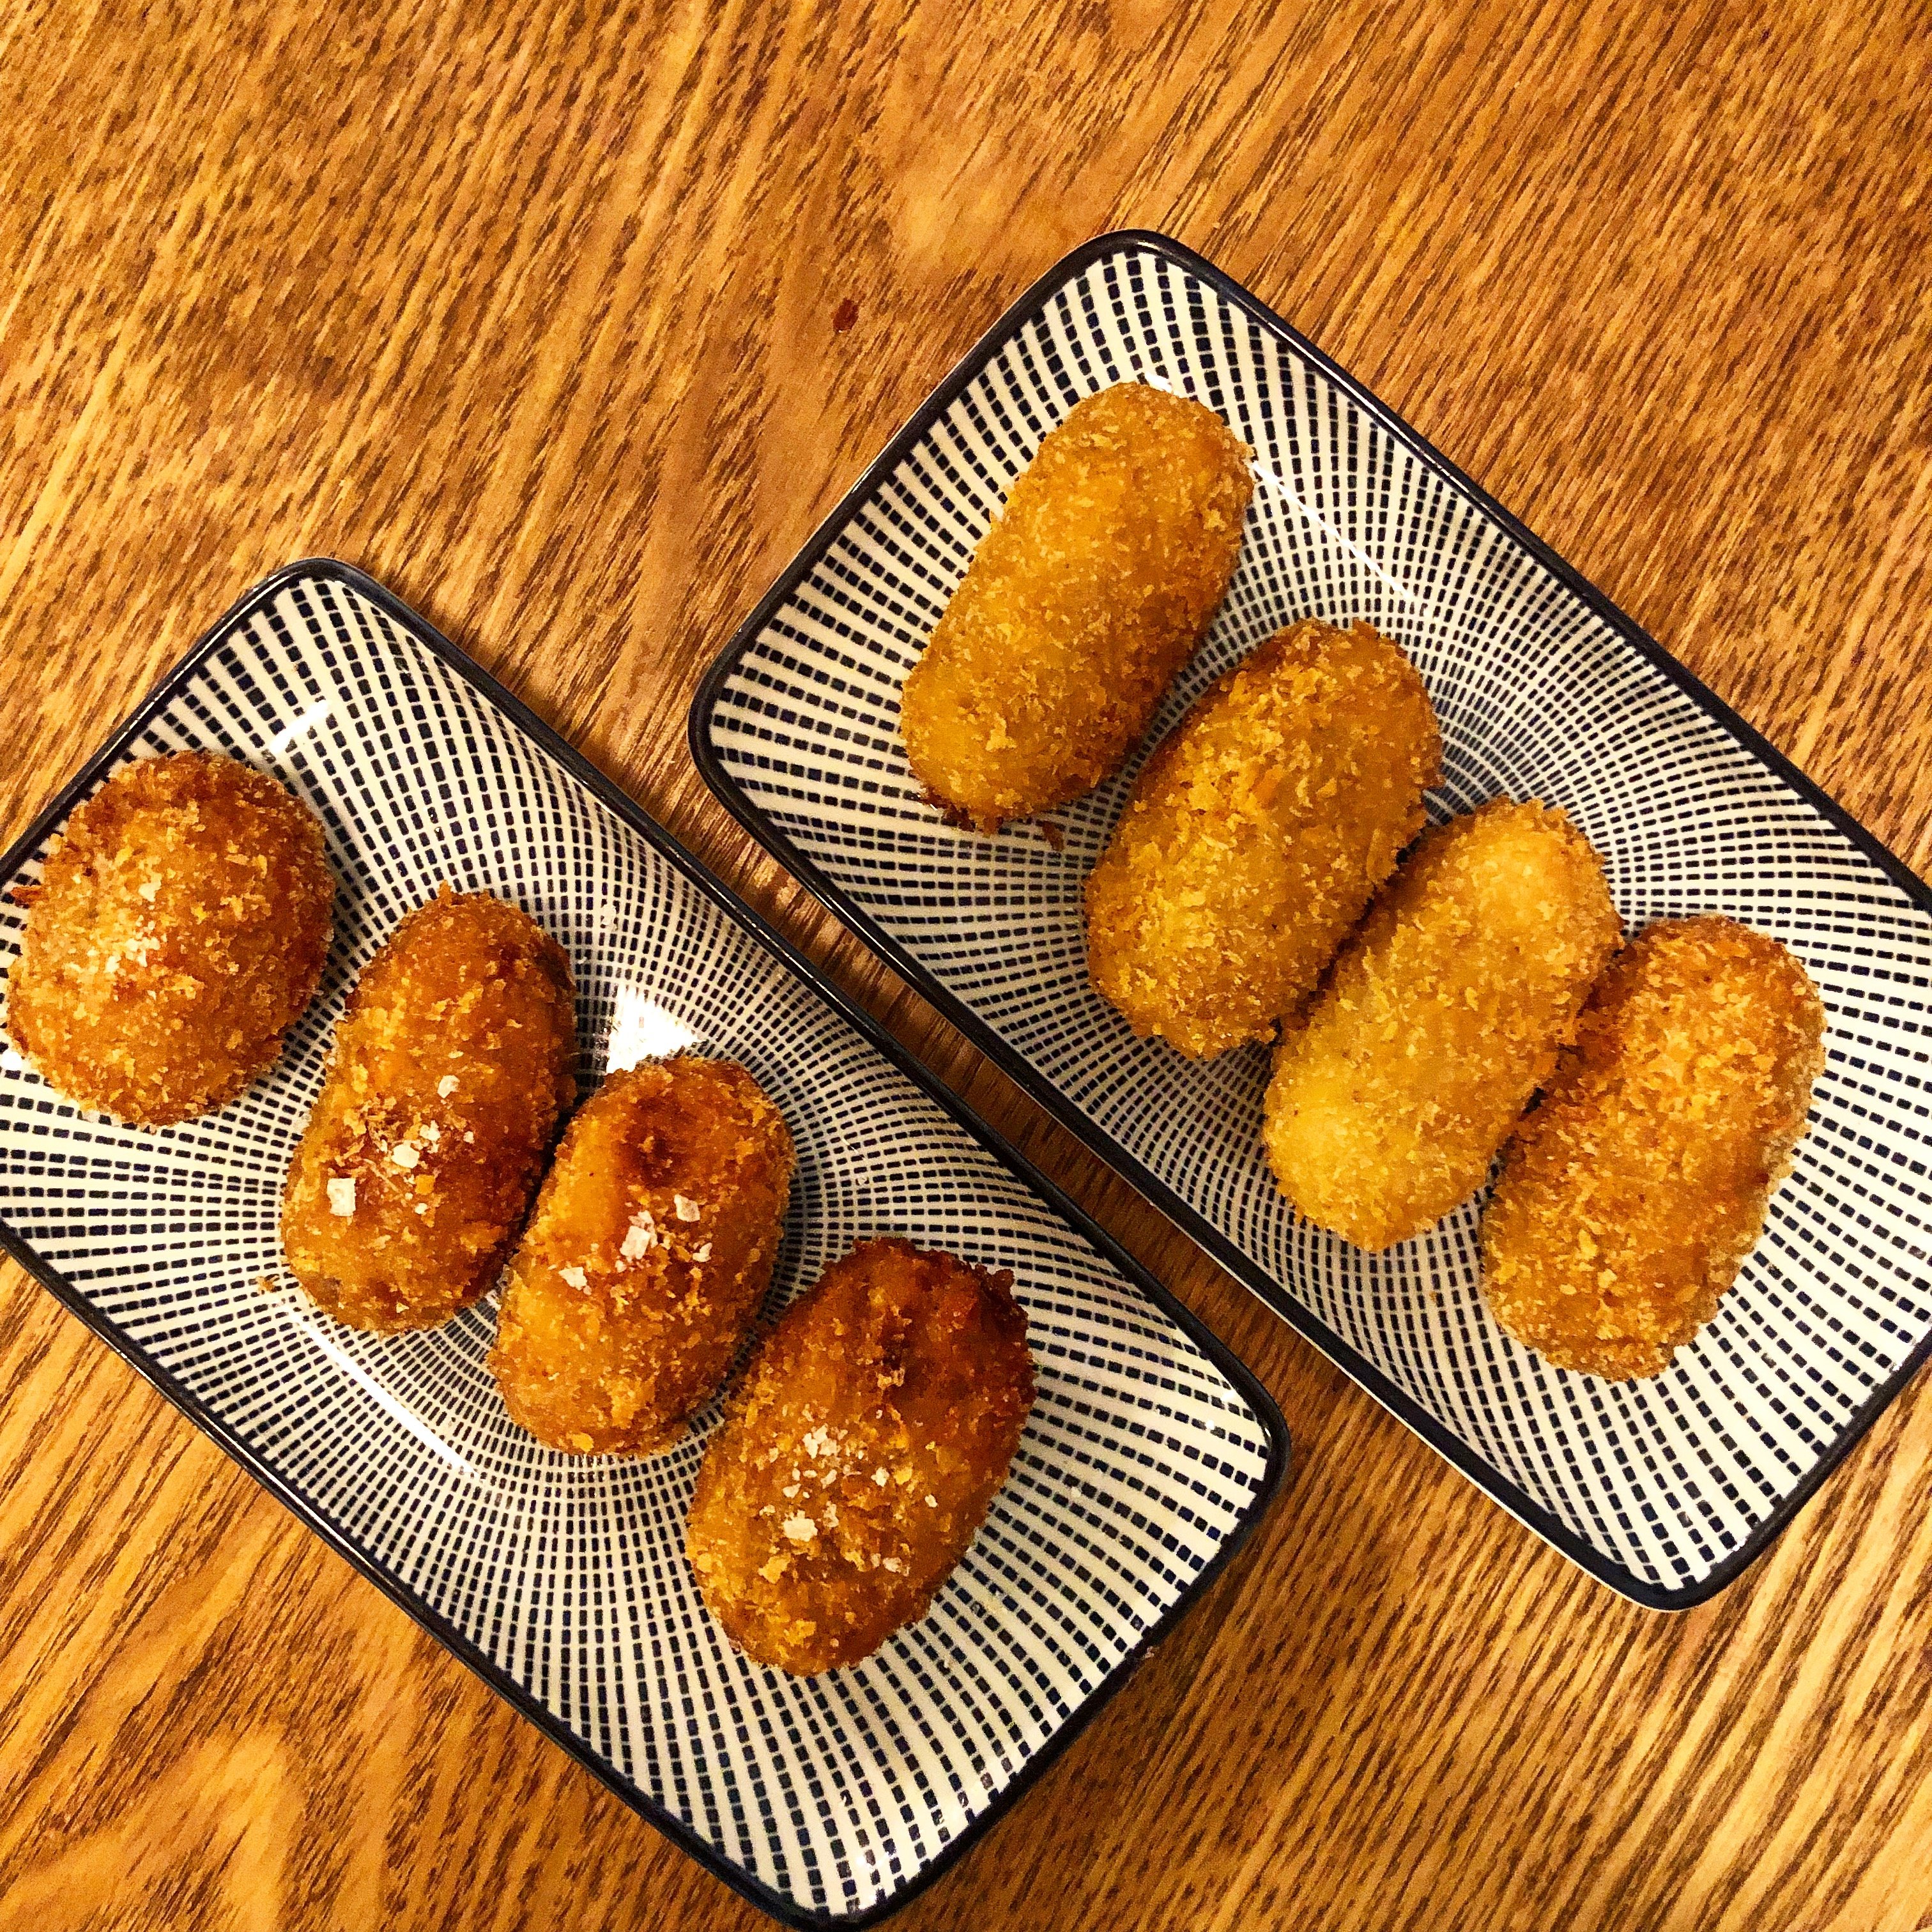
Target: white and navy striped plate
1664,1489
1149,1453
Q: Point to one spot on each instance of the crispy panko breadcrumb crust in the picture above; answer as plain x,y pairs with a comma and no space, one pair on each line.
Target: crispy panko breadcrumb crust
650,1251
1444,1012
1256,834
860,1455
453,1062
1090,592
1630,1198
178,932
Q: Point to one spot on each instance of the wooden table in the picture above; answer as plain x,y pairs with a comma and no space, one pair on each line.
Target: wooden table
569,324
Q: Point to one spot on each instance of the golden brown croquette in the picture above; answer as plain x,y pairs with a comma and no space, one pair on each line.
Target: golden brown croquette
643,1265
860,1455
1089,592
1256,834
178,930
453,1062
1630,1198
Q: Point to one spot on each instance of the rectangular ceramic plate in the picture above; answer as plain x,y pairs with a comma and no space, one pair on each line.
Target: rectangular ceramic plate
562,1580
1665,1489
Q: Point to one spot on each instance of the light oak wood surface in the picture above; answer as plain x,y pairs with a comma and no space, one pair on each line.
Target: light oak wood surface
531,311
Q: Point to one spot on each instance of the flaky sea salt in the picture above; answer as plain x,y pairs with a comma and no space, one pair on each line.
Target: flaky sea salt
342,1196
575,1277
687,1210
799,1528
445,1087
640,1236
404,1155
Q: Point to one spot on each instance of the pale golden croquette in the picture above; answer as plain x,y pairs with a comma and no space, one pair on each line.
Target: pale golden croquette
1444,1013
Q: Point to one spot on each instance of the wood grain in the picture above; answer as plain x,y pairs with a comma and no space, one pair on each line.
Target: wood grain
569,322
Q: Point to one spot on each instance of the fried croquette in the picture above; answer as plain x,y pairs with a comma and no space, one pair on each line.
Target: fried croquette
453,1062
1089,592
651,1247
1629,1199
1444,1013
1255,835
178,930
860,1455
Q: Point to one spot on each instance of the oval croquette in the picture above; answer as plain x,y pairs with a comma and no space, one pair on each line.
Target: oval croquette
453,1061
1630,1198
178,930
1444,1013
643,1265
1089,592
1256,834
860,1455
